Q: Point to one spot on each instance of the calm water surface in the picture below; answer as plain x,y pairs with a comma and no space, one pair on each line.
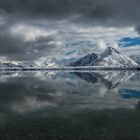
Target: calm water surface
63,105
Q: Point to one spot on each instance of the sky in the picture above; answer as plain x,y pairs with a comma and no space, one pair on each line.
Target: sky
30,29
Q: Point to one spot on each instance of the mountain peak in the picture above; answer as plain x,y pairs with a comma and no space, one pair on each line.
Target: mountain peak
111,50
111,57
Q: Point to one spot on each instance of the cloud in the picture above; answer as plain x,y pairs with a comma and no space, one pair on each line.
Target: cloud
30,29
137,28
112,12
101,45
29,40
10,44
29,32
22,41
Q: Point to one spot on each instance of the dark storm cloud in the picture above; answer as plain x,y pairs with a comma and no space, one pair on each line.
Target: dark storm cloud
96,12
138,29
14,46
9,44
116,11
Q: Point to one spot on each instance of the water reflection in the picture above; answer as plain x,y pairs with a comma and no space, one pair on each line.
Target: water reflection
111,79
30,91
76,105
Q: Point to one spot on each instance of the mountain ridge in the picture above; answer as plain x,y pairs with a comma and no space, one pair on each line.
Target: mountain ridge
109,57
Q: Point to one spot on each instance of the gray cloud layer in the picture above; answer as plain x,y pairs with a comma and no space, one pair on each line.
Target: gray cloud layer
110,10
100,12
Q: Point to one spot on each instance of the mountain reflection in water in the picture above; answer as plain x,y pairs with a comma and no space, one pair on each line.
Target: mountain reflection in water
70,105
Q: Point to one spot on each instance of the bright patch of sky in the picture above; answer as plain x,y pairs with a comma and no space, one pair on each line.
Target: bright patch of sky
128,42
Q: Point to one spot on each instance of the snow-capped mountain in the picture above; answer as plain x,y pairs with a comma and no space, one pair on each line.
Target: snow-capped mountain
7,64
46,62
18,65
43,62
109,58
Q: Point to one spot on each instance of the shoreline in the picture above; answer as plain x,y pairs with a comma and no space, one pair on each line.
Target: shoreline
75,69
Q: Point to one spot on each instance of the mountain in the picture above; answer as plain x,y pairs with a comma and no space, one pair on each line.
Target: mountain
6,64
43,62
46,62
109,58
136,58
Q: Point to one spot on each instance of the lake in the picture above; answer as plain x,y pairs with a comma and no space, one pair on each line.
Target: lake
70,105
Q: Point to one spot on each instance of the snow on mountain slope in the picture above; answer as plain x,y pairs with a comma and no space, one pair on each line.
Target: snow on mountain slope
112,57
46,62
43,62
109,58
7,64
